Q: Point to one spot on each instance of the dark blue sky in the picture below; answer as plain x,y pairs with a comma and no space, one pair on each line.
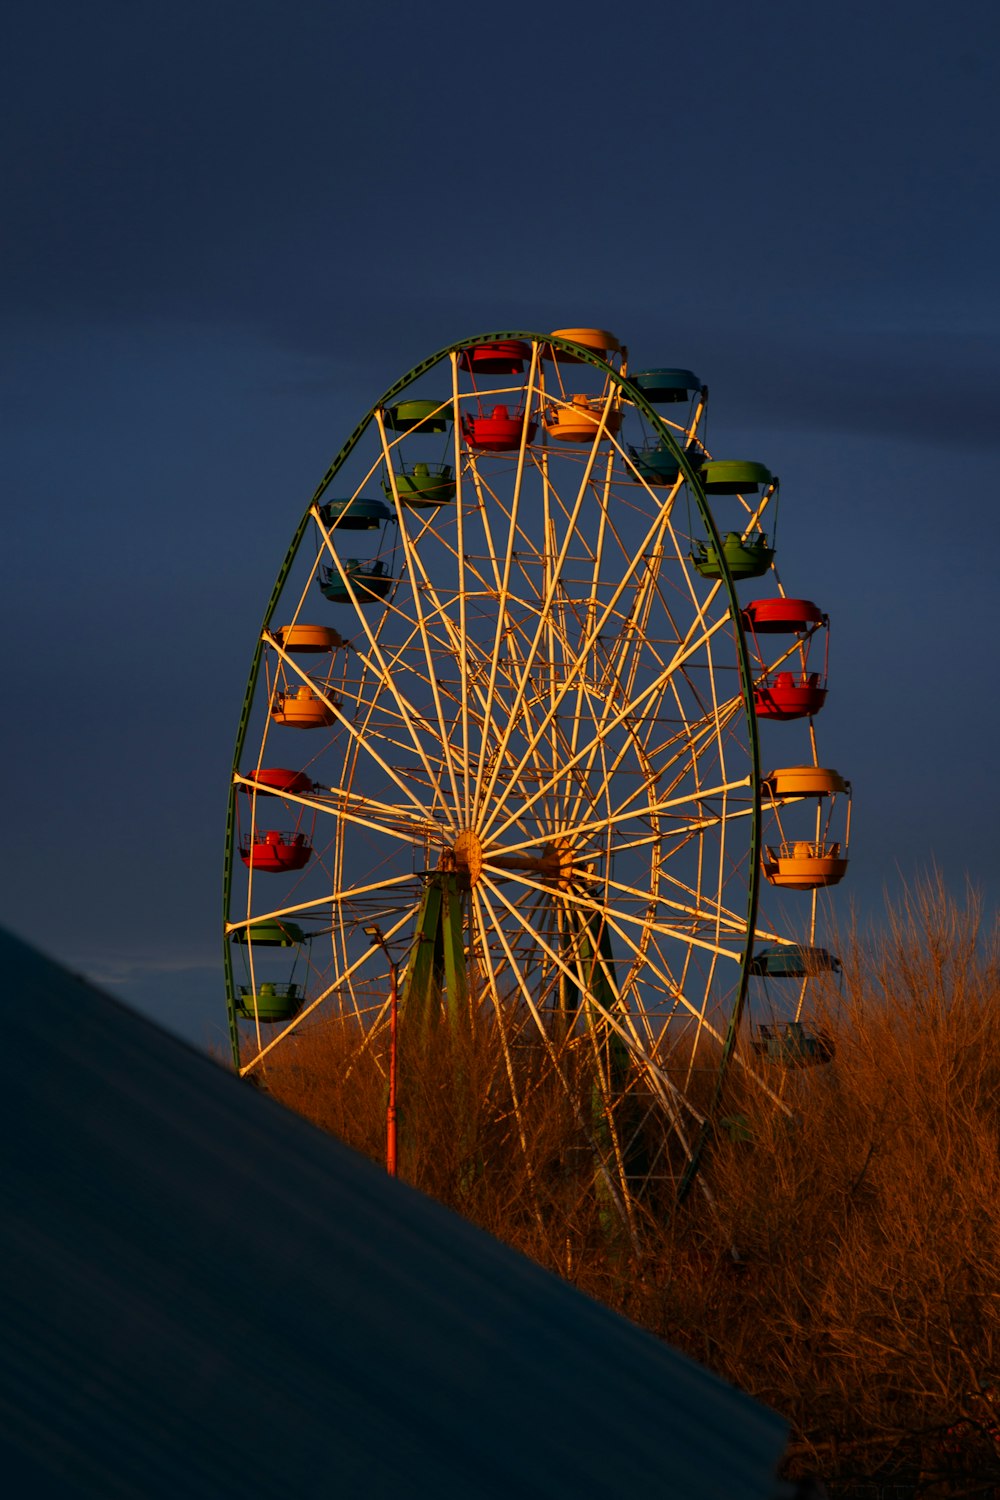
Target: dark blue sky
228,227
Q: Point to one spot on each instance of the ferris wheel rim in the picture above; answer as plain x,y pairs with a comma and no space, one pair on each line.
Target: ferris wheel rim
662,431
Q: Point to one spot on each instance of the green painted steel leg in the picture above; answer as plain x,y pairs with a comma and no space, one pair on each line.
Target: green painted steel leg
435,990
436,971
456,975
420,998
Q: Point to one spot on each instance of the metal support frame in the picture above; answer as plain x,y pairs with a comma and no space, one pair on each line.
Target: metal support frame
437,964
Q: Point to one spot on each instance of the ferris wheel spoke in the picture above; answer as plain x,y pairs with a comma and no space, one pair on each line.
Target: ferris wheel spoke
679,834
304,595
603,732
571,805
558,645
550,596
456,644
570,764
683,764
530,895
360,808
379,717
373,633
525,991
384,818
473,703
624,660
480,945
724,825
677,662
699,907
375,660
432,672
504,581
562,620
364,741
345,975
621,1022
513,719
689,738
490,575
691,745
681,935
307,1011
715,587
317,903
463,620
504,724
712,915
629,817
497,933
757,511
629,747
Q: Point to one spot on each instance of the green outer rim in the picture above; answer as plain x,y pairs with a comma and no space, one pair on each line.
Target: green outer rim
660,428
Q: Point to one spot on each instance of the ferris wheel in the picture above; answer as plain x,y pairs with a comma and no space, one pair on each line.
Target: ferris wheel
503,715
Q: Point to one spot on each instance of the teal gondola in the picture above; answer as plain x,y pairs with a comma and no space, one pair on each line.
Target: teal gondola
369,581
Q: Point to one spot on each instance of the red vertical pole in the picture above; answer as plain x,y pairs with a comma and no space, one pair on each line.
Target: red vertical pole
391,1157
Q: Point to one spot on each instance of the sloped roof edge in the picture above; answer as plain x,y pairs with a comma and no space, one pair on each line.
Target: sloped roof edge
204,1294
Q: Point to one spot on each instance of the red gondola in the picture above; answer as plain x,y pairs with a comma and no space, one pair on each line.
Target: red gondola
278,779
499,432
272,852
779,616
781,692
506,357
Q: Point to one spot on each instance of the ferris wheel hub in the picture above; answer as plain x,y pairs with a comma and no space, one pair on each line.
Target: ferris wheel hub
468,855
556,864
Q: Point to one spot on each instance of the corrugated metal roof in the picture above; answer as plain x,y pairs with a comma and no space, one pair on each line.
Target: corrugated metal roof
202,1295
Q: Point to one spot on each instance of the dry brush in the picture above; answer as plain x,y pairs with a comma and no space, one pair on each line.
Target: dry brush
841,1260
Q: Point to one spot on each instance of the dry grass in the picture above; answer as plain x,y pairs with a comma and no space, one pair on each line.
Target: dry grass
849,1271
523,1176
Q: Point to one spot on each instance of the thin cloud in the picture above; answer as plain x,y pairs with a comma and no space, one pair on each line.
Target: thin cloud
118,971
